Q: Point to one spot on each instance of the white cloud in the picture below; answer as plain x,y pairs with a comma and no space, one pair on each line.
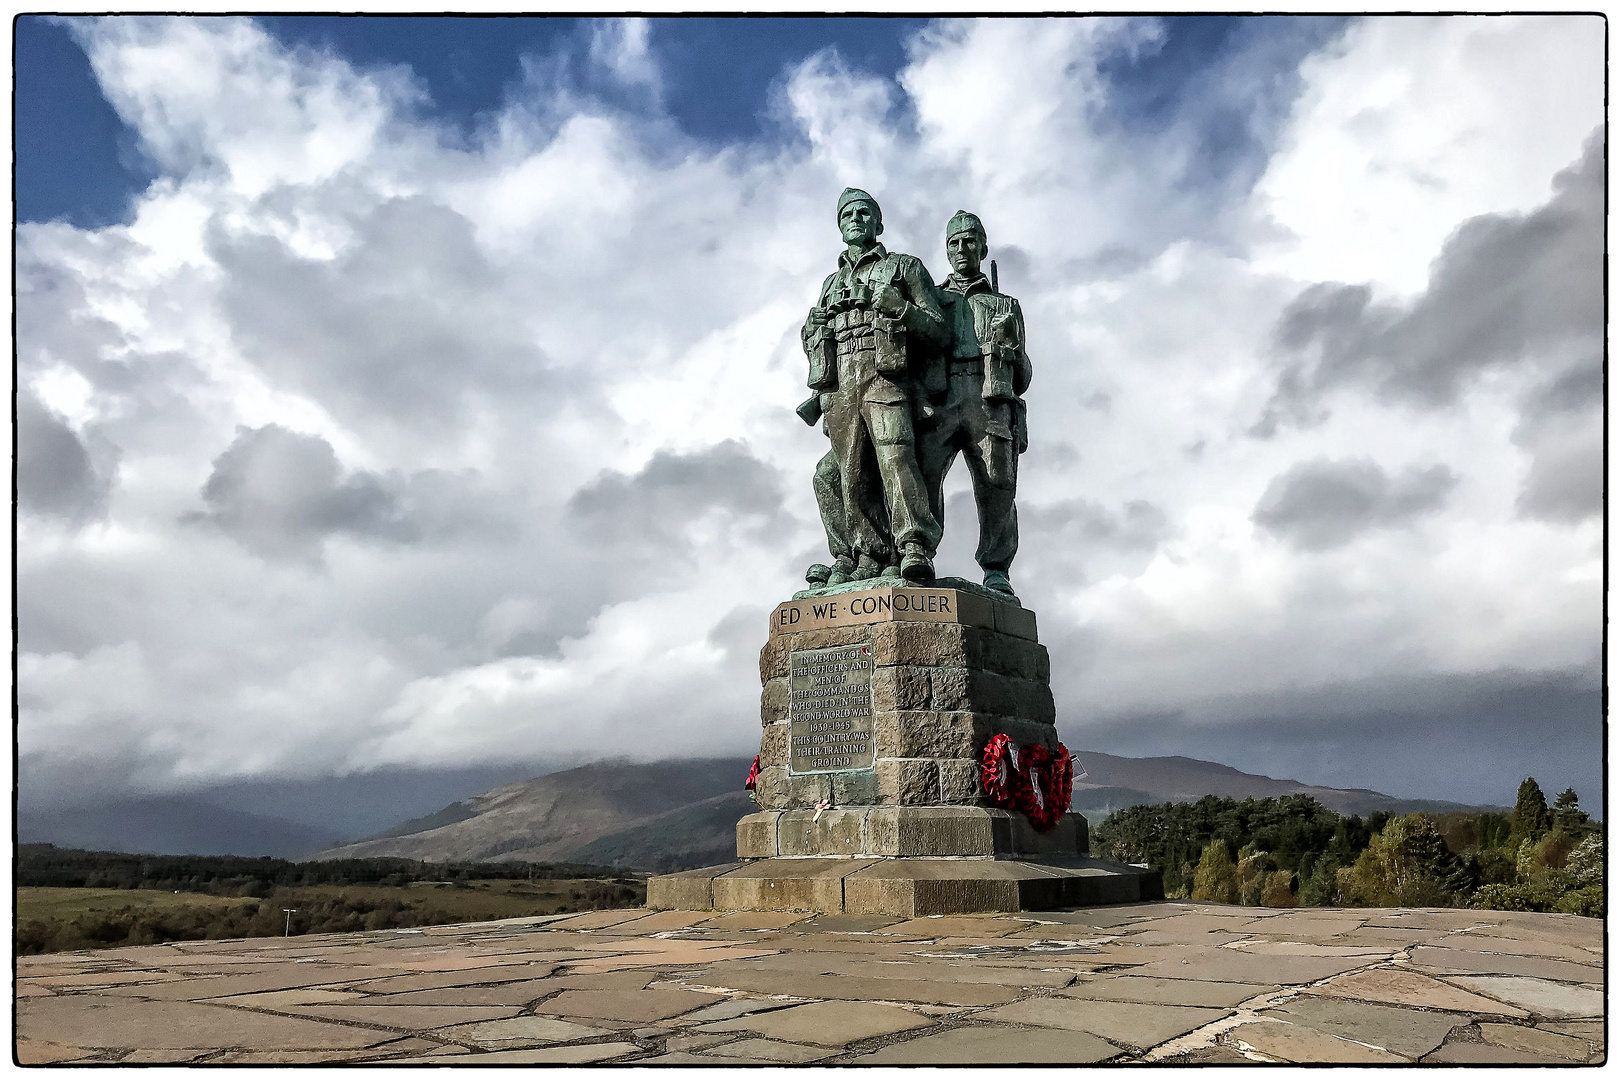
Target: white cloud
582,302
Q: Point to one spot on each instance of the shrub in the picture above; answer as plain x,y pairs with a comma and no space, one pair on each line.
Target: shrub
1279,890
1216,878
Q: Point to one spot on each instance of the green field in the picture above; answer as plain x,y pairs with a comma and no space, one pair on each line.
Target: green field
65,919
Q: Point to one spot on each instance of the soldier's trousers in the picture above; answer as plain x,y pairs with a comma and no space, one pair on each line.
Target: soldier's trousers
865,434
981,431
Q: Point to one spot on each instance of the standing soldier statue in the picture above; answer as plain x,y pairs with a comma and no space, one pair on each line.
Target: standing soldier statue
981,414
874,327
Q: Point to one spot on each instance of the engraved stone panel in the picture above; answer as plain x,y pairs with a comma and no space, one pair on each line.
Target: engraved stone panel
830,709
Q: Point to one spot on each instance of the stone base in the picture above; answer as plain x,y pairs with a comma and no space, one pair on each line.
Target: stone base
908,887
901,831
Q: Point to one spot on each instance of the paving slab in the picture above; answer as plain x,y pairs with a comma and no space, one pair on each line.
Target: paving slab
637,1005
852,988
1410,1033
756,920
1130,1023
595,920
764,1050
827,1023
1549,999
551,1055
1396,987
983,1044
733,1008
39,1052
522,1030
283,977
1290,1042
1471,1053
1452,961
1152,991
939,926
144,1025
1234,965
1536,1041
521,992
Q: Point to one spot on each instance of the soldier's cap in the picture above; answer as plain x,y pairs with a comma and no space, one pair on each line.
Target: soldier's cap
854,194
962,222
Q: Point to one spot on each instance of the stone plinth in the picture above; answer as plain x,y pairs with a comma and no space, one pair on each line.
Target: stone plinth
876,706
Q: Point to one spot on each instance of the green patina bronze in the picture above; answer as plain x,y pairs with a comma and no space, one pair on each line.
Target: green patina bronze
908,376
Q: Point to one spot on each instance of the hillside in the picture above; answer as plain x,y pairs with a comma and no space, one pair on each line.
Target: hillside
679,814
552,817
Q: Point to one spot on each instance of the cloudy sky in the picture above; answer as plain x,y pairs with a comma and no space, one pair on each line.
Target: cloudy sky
418,394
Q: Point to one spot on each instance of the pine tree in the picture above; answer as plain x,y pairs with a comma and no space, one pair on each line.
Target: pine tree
1567,813
1531,819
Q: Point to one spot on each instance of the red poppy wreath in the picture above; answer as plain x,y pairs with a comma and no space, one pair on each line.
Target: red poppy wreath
1033,780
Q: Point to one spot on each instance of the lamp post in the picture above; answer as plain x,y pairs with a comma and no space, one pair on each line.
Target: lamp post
289,911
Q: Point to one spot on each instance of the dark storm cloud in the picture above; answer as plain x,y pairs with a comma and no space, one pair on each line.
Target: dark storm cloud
675,490
279,494
1323,504
1504,288
408,321
1492,729
57,476
1561,425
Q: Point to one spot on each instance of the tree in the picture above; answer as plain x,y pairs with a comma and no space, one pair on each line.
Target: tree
1401,867
1216,878
1567,814
1531,819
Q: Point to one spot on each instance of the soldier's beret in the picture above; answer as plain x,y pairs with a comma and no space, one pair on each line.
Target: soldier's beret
962,222
852,194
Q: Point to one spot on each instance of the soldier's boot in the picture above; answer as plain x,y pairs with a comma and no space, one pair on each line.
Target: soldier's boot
867,568
842,568
916,565
998,580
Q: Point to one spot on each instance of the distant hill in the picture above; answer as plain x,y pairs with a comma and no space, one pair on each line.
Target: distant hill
1113,783
175,824
678,814
553,817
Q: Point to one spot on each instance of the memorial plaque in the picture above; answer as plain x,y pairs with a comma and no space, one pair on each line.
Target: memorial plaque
830,709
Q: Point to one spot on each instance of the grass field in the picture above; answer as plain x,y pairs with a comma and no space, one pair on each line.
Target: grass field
57,919
34,903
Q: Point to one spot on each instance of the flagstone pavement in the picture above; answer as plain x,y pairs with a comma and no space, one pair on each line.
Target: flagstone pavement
1166,981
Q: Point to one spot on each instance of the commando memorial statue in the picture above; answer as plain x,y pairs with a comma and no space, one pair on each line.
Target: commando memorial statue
909,762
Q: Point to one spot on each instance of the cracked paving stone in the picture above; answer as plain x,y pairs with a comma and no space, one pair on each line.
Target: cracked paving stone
998,1045
1124,1022
770,1050
633,1005
1290,1042
1455,961
1393,987
1536,1041
1466,1053
1408,1032
827,1023
1233,965
522,1029
1151,991
549,1055
1539,996
151,1025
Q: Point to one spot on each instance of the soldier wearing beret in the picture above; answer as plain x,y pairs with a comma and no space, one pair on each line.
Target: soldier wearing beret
874,326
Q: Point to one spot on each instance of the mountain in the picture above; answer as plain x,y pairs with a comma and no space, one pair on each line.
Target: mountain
550,818
170,825
1113,783
678,814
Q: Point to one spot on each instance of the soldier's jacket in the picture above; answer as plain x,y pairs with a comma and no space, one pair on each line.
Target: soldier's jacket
970,305
858,334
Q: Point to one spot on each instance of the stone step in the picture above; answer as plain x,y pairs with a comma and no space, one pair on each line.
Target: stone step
905,886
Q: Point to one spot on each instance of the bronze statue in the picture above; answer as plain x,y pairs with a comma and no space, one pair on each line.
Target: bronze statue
979,412
873,331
